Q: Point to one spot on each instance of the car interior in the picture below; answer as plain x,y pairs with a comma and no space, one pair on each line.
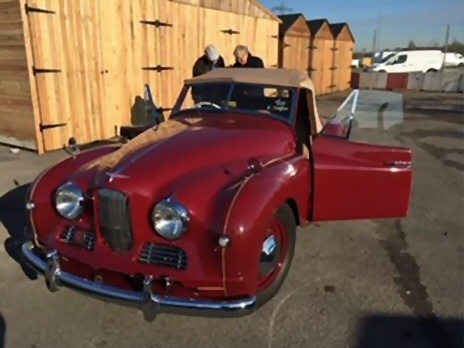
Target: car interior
277,101
303,122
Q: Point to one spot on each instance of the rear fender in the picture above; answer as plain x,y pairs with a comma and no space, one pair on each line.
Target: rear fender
251,212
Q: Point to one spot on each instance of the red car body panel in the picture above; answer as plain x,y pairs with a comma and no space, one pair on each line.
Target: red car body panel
205,179
251,213
206,169
360,181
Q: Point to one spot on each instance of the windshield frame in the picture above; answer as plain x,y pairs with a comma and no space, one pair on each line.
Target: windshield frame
386,58
176,110
353,95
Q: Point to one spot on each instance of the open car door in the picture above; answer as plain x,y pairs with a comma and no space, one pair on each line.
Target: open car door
360,180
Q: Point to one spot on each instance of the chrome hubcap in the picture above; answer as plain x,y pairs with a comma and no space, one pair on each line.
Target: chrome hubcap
269,256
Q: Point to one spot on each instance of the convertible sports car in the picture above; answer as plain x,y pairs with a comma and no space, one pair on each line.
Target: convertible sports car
198,215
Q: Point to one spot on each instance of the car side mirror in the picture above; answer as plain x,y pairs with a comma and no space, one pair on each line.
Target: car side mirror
336,129
73,147
154,113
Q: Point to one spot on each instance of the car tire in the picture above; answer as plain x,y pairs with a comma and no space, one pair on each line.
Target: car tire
432,70
382,71
284,225
461,65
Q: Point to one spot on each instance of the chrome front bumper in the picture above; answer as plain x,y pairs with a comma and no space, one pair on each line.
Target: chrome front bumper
150,304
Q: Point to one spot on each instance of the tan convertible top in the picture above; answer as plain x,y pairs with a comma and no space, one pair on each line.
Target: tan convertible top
277,77
171,127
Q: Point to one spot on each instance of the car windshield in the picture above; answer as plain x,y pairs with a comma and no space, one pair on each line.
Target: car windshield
367,113
386,58
250,98
392,59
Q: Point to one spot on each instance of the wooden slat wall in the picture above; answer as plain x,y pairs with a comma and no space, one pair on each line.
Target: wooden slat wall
329,61
343,56
296,55
101,48
295,46
345,68
321,60
17,126
69,41
321,63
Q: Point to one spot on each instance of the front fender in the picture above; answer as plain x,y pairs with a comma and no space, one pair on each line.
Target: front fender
42,188
250,214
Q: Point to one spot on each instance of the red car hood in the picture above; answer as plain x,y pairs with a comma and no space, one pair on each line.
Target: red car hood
219,140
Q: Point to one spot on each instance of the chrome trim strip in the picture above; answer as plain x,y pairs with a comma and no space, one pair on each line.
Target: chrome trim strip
149,303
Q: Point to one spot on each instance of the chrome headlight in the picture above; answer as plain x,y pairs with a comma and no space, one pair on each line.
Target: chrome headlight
69,199
170,219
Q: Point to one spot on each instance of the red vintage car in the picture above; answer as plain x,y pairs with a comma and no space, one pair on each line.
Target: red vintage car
198,215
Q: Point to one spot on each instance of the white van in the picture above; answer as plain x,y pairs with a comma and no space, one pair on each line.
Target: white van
454,59
411,61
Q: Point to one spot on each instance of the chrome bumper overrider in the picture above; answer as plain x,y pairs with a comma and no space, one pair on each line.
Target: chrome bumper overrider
150,304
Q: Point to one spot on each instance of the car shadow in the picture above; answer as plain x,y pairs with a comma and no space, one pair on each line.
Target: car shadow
14,219
388,331
2,331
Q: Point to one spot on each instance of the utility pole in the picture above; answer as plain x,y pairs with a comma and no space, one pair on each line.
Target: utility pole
282,9
379,25
445,50
374,42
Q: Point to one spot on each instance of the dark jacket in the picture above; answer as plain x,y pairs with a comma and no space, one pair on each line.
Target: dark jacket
204,65
201,67
252,62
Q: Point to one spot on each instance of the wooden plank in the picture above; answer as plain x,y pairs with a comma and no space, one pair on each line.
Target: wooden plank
17,125
72,104
43,58
91,71
114,62
82,35
139,48
98,72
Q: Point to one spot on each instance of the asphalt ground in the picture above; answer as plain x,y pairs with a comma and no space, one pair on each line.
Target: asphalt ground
365,284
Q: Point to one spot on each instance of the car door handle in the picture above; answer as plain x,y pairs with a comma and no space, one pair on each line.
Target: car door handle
398,164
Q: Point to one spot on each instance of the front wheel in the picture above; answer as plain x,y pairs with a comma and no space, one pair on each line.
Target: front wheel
432,70
278,248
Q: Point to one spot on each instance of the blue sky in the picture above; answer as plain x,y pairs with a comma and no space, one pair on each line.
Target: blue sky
423,21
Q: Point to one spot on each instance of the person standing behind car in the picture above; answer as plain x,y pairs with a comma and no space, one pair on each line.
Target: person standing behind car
244,59
210,60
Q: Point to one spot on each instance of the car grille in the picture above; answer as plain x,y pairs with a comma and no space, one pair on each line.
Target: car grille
79,238
163,255
115,220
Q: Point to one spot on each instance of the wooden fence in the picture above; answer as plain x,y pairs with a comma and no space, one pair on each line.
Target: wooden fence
83,63
325,50
343,56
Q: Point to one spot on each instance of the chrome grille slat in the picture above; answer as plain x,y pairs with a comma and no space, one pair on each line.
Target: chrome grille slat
115,220
88,241
163,255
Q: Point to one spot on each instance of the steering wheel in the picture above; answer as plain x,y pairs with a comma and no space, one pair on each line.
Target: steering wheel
206,103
